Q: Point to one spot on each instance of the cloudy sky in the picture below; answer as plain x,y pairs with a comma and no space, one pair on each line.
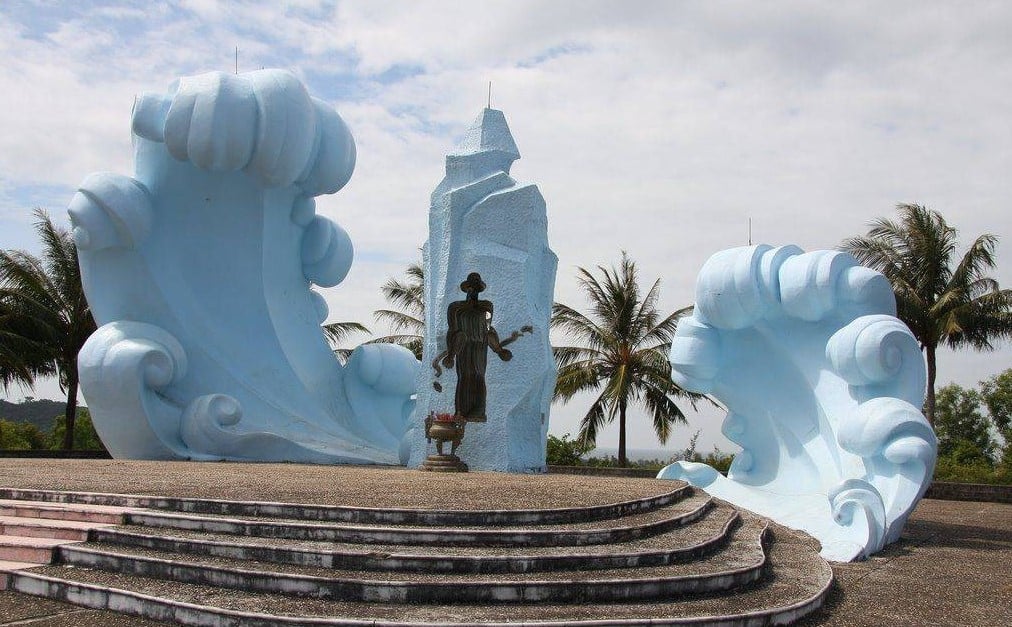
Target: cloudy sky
658,128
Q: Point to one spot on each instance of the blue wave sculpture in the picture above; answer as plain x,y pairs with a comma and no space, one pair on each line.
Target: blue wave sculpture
199,269
823,387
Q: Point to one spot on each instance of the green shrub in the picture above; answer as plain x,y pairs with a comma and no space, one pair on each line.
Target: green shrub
610,461
20,436
951,468
566,452
719,460
85,436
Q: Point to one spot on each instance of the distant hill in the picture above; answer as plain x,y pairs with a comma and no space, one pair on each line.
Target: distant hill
42,413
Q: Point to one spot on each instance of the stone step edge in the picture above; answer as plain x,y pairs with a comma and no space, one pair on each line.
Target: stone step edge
51,523
343,513
8,566
474,564
158,608
34,542
381,591
60,506
353,534
98,514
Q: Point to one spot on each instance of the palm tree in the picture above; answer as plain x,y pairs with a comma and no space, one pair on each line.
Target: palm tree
19,356
337,332
625,351
408,325
956,305
44,316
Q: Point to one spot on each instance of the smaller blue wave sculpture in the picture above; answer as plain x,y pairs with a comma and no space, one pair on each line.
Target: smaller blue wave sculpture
822,385
199,270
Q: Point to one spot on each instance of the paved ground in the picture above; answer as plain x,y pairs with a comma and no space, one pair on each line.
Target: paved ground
951,567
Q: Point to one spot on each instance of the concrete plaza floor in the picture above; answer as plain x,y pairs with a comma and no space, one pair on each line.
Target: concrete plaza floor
950,568
953,566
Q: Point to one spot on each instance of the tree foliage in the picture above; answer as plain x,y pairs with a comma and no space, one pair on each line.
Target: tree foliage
997,395
44,316
621,354
407,319
85,436
565,451
20,436
25,435
943,300
963,430
337,332
969,421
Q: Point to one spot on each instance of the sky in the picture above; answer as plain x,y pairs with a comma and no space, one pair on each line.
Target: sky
657,128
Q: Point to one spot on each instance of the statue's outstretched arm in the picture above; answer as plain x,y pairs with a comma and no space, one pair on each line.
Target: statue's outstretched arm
500,346
513,336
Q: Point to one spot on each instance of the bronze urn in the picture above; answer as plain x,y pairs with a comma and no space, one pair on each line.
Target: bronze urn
444,428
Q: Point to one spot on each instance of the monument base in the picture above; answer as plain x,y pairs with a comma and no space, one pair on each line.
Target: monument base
443,463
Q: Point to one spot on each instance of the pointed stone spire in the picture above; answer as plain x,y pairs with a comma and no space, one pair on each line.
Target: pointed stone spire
488,133
487,148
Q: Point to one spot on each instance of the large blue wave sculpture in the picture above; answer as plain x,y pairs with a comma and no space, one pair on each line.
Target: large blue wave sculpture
823,387
199,269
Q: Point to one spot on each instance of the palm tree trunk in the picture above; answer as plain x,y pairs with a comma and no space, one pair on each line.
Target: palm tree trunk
929,400
71,412
623,461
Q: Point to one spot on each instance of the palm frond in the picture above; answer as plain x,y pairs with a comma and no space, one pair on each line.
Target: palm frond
566,355
400,321
343,354
337,332
413,343
576,377
578,326
409,296
664,330
599,414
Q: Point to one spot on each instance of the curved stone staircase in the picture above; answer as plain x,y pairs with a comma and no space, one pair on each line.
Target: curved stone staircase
675,558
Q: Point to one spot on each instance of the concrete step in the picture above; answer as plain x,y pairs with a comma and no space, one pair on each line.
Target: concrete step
48,528
682,544
101,514
739,563
622,530
798,584
361,515
9,567
28,549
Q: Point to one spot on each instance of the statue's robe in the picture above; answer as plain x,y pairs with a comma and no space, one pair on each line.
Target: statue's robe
469,330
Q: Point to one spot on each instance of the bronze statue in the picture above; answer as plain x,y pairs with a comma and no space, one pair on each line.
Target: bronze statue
468,338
